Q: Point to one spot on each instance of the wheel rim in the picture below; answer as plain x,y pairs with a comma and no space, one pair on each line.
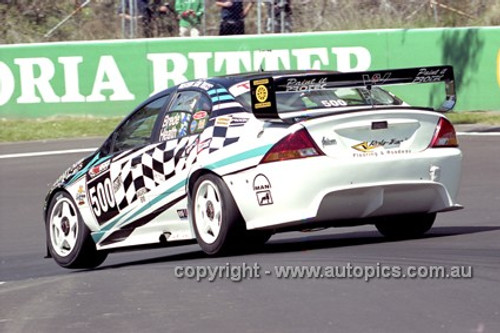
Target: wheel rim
63,227
208,211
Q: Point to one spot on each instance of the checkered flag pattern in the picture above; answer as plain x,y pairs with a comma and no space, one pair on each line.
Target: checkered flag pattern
149,168
144,172
221,132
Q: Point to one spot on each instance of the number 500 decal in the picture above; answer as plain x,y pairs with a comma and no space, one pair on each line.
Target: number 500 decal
102,198
334,102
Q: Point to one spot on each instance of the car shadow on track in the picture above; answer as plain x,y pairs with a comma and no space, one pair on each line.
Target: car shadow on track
304,243
312,242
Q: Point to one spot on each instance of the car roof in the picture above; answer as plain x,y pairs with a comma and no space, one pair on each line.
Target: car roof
231,79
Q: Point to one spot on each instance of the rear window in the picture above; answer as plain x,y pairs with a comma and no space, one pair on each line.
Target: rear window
320,99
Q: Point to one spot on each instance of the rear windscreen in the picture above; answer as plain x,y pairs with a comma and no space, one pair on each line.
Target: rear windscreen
290,101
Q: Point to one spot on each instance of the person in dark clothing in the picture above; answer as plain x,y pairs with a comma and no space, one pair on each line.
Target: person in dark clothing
233,14
279,16
141,11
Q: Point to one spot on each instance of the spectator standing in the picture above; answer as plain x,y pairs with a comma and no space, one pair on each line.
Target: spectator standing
141,12
279,16
164,18
233,14
189,13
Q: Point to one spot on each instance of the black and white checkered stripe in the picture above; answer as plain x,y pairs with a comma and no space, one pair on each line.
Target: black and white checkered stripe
152,167
222,133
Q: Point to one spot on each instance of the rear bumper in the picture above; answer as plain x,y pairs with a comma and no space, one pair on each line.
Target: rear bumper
322,188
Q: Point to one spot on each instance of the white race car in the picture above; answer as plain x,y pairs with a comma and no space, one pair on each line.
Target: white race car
229,161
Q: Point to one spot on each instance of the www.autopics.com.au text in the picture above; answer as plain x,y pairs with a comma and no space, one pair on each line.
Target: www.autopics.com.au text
245,271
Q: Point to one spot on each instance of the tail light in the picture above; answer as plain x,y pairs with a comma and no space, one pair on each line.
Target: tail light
296,145
444,135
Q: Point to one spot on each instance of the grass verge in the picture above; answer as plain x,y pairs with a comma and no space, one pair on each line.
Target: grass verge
12,130
55,128
476,117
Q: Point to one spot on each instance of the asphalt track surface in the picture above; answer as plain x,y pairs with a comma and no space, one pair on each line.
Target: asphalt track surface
139,292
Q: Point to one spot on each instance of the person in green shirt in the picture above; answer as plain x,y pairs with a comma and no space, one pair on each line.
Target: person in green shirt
189,13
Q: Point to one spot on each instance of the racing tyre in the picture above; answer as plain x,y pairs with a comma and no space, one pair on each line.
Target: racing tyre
217,222
68,238
405,226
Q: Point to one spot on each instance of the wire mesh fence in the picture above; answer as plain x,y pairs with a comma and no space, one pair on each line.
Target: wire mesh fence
29,21
283,16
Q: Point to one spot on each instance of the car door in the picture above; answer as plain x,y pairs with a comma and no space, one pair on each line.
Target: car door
184,120
118,182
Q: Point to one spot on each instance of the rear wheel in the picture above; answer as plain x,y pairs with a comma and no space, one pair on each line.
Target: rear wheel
405,226
218,224
68,238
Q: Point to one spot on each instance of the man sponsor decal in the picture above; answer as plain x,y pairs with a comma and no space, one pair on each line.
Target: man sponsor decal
264,198
262,188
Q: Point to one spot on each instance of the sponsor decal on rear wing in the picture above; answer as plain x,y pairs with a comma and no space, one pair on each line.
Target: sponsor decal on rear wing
264,90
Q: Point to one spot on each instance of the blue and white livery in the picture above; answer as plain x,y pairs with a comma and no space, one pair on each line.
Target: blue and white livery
229,161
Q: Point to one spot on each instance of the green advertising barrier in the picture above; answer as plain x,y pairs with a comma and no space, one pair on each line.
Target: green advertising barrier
109,78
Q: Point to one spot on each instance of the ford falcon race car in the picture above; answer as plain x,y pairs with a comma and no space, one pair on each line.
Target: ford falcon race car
228,161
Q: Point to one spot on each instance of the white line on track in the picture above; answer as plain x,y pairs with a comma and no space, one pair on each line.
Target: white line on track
48,153
84,150
478,133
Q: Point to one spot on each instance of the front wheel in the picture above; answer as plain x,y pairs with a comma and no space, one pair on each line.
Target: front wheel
217,222
405,226
68,238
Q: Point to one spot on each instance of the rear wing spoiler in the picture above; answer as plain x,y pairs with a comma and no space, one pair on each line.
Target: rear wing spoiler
264,90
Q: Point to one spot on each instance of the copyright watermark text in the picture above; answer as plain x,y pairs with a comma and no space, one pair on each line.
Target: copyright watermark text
244,271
